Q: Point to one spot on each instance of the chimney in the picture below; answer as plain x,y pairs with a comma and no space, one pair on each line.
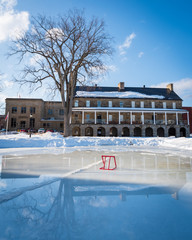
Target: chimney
121,86
170,86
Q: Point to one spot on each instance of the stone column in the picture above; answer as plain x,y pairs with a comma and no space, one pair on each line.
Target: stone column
143,131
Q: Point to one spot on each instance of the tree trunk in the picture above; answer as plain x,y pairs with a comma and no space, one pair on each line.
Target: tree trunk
66,124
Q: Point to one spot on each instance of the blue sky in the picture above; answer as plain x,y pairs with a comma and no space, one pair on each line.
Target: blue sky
152,41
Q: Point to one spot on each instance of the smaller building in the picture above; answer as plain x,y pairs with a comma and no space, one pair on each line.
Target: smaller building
2,122
189,109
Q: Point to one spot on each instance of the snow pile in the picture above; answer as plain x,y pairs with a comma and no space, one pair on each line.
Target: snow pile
56,140
127,94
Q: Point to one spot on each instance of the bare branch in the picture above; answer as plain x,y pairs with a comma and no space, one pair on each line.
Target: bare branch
63,50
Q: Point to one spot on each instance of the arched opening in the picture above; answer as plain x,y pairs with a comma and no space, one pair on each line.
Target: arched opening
101,132
113,132
89,131
160,132
149,132
171,132
137,132
76,132
182,132
125,132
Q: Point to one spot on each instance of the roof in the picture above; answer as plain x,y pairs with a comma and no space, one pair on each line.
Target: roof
127,92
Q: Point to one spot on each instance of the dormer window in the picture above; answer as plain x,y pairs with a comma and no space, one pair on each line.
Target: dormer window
174,105
133,104
164,105
110,104
153,104
87,103
142,104
76,103
98,103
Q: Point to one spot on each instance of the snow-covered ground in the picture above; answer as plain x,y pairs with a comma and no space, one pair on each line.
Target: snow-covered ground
56,140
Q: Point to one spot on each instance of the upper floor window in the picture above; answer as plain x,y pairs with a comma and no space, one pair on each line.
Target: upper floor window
61,111
110,104
164,105
14,109
50,111
174,105
76,103
87,103
98,103
142,104
121,104
32,110
153,104
110,117
133,104
23,109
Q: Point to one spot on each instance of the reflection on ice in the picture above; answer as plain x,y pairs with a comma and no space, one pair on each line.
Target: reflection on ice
145,198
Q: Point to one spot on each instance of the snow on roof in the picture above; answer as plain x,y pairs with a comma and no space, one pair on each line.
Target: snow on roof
127,94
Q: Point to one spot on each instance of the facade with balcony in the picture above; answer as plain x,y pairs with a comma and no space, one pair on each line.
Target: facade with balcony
125,111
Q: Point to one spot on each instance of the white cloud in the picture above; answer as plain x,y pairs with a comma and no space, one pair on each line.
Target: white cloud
127,43
12,23
4,83
182,87
140,54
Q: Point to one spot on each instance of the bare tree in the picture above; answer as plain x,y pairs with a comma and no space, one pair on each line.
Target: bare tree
64,50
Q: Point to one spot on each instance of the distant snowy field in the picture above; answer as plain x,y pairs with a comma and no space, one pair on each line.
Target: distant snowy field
56,140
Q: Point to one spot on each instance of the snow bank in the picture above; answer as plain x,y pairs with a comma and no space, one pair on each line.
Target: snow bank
52,140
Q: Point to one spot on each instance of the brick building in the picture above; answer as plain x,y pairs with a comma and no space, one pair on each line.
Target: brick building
107,111
189,109
2,122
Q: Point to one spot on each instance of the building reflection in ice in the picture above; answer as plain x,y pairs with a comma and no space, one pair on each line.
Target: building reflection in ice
149,196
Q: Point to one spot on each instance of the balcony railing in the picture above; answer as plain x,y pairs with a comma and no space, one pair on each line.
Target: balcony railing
146,121
183,122
90,121
160,122
171,122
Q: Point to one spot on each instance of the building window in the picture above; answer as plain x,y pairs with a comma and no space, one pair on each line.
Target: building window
32,123
133,104
121,104
121,118
110,104
61,125
14,109
22,124
87,103
98,103
13,122
164,105
23,109
61,111
174,105
76,103
153,104
110,118
50,111
32,110
142,104
87,117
